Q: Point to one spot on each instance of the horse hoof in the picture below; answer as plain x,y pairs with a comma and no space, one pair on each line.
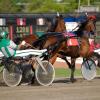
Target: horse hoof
73,80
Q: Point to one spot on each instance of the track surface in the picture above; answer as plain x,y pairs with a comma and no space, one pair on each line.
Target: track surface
61,89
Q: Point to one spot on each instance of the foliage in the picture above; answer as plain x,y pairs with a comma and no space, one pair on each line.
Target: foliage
39,6
9,6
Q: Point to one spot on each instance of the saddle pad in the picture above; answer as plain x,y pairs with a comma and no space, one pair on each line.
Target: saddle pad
72,42
92,46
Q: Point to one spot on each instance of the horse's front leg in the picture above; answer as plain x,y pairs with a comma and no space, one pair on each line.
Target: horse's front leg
72,69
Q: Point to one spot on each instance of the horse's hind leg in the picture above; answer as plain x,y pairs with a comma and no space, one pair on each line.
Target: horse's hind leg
71,66
72,70
64,58
95,54
33,78
98,63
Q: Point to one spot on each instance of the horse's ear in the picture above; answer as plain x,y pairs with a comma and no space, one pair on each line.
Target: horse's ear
86,14
58,14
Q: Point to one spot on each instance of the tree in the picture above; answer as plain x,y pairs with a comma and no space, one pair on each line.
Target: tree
39,6
9,6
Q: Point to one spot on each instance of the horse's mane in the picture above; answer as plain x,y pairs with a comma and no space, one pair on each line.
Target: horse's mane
81,28
87,26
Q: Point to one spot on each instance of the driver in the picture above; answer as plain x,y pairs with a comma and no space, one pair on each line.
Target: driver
7,46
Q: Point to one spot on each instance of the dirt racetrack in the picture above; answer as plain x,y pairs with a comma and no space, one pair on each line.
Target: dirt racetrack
61,89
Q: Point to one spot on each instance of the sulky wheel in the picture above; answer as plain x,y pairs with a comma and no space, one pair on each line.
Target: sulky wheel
12,77
88,69
45,78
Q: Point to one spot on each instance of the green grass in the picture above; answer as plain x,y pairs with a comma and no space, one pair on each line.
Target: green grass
65,72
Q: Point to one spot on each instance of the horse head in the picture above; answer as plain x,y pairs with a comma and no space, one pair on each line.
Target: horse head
86,28
57,24
91,23
60,27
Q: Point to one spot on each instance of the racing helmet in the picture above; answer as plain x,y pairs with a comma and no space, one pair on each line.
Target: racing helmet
3,34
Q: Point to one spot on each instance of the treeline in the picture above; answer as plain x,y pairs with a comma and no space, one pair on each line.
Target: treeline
40,6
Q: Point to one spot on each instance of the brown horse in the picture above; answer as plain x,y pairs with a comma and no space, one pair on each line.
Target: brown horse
59,46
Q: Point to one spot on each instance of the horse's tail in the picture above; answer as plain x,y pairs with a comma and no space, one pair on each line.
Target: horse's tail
98,57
